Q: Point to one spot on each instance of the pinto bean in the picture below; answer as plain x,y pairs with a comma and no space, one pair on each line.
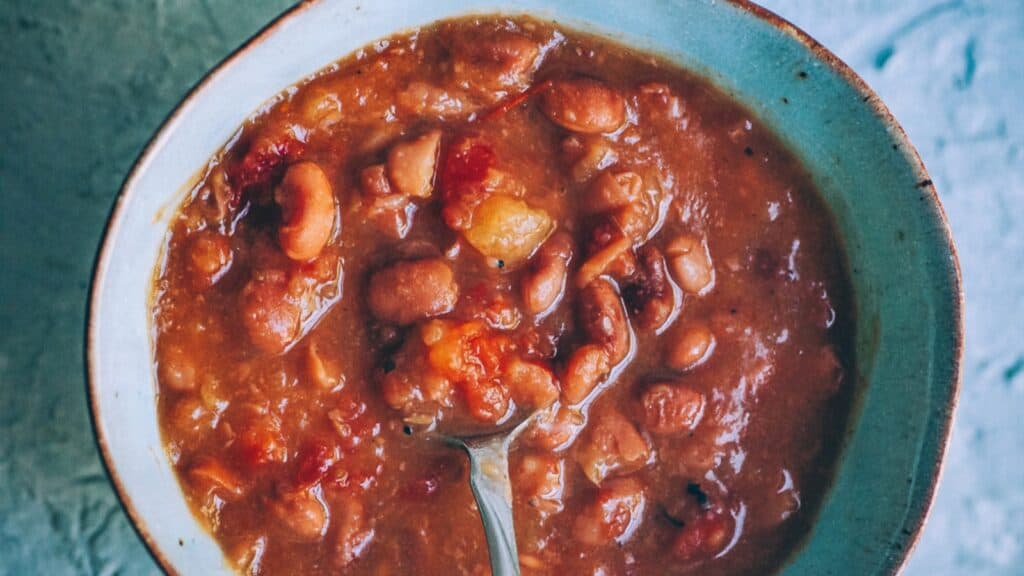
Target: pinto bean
587,155
543,285
353,533
671,409
320,107
584,105
390,213
611,191
269,314
649,297
540,481
307,211
613,516
531,383
487,401
177,369
423,99
417,395
588,365
635,220
322,369
604,320
555,429
490,61
302,513
213,474
603,260
691,264
209,258
260,443
189,417
412,164
612,446
412,290
691,348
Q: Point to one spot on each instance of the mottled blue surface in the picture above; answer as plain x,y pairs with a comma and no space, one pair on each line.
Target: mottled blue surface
84,83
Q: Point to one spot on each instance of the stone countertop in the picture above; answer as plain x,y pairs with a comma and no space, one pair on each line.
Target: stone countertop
84,84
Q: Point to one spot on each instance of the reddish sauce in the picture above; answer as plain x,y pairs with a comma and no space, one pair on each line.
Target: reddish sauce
485,217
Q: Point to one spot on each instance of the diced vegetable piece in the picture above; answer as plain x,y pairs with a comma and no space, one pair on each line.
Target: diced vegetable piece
532,384
322,369
473,357
508,229
468,161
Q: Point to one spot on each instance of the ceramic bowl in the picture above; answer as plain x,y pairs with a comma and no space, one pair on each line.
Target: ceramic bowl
903,262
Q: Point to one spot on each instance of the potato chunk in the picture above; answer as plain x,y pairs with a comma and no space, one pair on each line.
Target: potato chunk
411,165
508,229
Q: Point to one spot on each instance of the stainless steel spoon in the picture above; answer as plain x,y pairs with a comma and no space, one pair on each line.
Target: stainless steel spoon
488,477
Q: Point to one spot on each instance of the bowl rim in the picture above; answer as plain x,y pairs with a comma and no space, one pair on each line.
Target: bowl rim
919,511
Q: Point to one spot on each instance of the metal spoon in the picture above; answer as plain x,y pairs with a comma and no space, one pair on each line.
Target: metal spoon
488,477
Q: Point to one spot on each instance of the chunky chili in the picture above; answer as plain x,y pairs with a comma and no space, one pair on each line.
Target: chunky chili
484,217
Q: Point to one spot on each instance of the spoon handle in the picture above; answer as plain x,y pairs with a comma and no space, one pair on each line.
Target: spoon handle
489,480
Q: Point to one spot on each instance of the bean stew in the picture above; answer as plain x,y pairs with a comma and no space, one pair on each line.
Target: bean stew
479,218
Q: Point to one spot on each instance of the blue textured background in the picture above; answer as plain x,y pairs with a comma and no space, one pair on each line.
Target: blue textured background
83,83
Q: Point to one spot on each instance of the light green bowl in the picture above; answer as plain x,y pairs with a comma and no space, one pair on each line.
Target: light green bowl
904,268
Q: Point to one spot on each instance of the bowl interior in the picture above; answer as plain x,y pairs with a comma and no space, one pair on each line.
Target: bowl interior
902,261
